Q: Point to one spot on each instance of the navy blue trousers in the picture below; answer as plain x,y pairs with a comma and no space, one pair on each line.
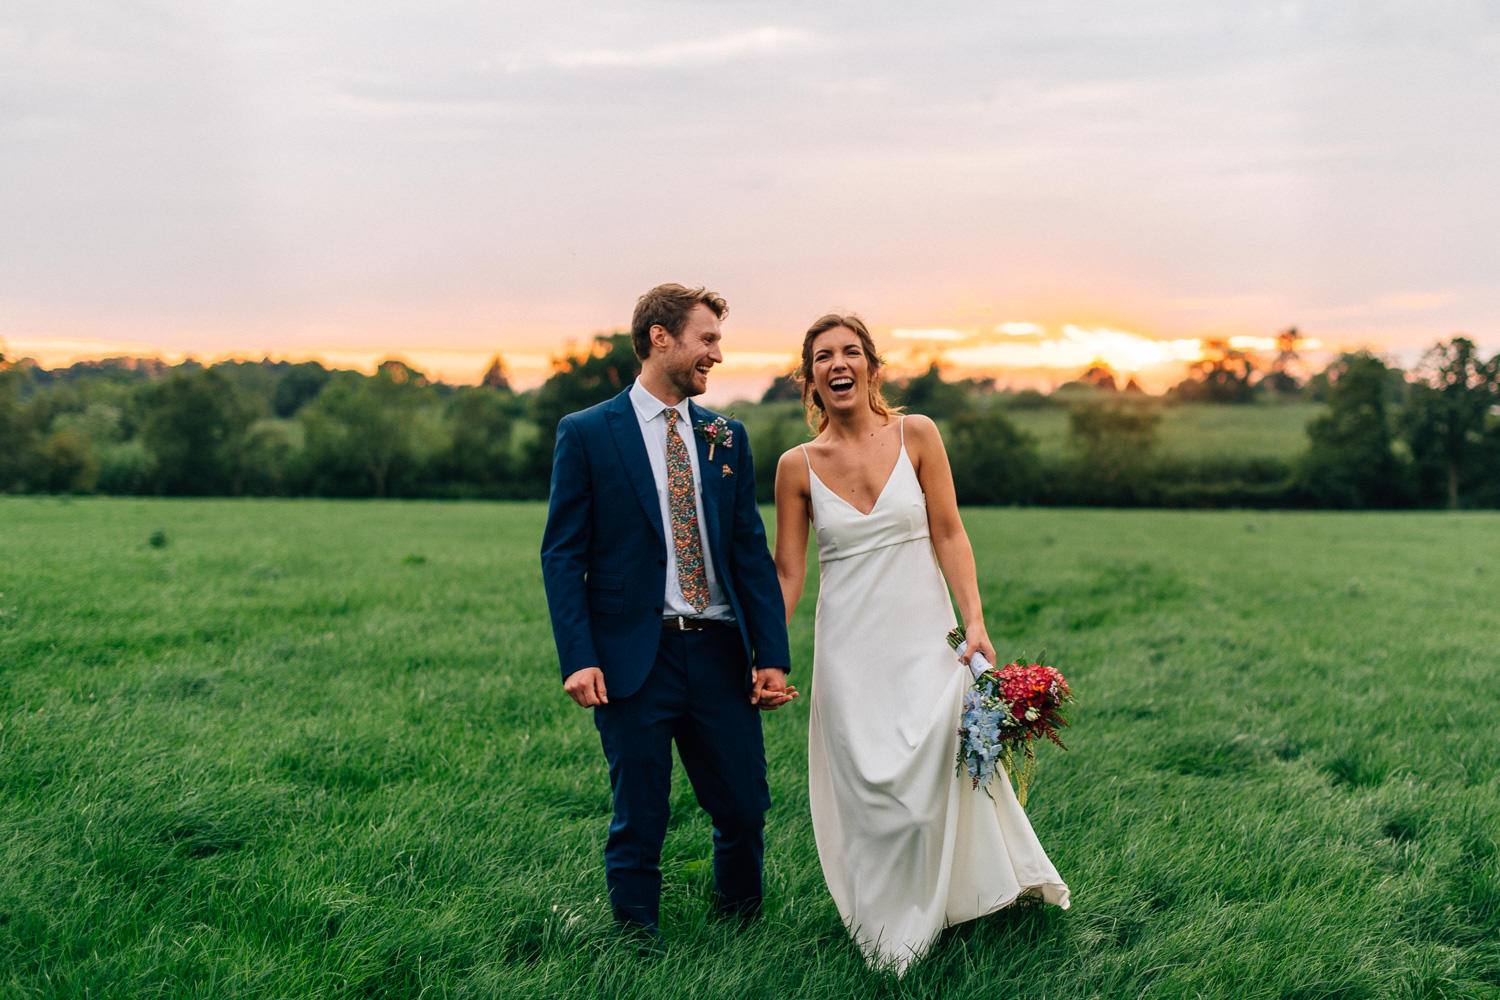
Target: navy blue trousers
695,695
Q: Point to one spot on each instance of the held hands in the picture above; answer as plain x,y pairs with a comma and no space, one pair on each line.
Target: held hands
586,687
771,690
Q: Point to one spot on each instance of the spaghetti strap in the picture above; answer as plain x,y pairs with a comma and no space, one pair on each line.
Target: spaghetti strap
803,448
901,424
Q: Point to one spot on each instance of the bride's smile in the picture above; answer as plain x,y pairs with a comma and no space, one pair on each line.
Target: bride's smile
840,367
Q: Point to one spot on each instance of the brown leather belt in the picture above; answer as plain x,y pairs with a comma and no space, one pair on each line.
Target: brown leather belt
677,623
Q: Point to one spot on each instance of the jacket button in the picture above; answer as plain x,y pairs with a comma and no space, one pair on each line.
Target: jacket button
658,609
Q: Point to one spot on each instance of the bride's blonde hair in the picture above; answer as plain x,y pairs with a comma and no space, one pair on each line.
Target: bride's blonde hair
812,403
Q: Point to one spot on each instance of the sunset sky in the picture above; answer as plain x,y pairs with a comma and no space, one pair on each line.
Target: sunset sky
1014,188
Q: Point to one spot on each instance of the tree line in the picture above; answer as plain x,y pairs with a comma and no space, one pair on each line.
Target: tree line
1385,438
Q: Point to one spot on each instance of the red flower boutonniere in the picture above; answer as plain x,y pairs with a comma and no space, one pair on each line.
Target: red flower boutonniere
715,432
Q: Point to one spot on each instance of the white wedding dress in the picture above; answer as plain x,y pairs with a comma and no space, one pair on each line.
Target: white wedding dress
907,846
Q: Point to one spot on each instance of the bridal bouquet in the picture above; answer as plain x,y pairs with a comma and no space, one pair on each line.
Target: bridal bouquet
1008,709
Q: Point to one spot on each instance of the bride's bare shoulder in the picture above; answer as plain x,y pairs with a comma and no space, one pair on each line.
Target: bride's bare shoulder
921,429
793,463
796,452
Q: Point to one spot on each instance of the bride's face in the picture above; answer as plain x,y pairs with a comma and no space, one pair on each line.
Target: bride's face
840,369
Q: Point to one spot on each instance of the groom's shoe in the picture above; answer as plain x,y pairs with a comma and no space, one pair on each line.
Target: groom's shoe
643,933
742,911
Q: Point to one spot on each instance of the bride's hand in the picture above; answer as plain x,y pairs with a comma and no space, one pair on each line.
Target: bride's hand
771,690
979,642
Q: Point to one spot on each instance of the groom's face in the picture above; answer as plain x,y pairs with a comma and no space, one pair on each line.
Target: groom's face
687,358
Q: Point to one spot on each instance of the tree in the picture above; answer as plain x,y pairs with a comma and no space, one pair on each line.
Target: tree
396,372
1447,409
1095,428
362,431
18,438
67,463
930,394
770,441
1317,386
270,454
1112,445
297,386
1281,378
81,437
1031,399
581,380
783,387
1349,461
1221,375
254,379
994,462
1099,375
495,376
478,421
194,430
577,381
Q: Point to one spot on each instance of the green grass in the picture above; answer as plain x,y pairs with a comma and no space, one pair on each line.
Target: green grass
1198,430
1192,431
309,749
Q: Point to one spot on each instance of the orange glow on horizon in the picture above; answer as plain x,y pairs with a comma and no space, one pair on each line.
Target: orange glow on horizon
1015,354
1032,355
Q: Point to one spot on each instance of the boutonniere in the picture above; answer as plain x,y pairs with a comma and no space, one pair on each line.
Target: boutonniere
715,432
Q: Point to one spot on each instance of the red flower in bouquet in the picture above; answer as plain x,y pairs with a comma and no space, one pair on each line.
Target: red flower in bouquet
1007,709
1034,695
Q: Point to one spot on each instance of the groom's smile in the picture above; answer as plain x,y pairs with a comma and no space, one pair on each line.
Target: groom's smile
693,353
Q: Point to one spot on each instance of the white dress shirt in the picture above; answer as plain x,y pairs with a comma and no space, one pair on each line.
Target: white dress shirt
648,413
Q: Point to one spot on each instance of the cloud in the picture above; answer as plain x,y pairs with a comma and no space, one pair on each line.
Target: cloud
261,170
1018,332
938,334
1385,305
758,41
1031,347
1091,95
1414,301
1218,305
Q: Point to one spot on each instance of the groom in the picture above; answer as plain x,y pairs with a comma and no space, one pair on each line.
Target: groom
665,605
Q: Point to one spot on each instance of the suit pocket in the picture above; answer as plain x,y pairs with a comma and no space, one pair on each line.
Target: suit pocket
606,593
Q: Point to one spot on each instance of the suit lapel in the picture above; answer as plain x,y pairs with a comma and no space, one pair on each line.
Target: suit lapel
620,415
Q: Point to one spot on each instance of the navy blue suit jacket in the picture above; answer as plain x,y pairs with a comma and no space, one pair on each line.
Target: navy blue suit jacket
604,555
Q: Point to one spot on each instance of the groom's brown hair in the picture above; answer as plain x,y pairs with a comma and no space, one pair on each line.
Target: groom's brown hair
668,306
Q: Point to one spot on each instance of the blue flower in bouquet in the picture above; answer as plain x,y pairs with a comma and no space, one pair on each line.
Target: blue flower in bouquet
980,746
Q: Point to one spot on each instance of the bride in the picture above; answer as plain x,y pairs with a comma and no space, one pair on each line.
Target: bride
907,847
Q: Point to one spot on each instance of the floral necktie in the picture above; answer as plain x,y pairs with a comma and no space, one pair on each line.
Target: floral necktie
685,538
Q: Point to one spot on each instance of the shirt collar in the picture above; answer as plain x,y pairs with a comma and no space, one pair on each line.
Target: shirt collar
648,407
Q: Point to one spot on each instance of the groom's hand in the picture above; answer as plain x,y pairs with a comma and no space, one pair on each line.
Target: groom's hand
586,687
771,690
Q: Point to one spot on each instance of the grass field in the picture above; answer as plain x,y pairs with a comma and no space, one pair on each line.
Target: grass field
1198,430
309,749
1276,430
